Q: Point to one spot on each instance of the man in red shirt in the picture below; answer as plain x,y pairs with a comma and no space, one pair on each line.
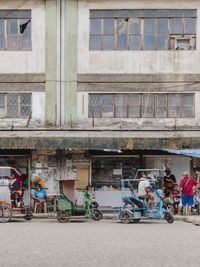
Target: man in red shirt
187,185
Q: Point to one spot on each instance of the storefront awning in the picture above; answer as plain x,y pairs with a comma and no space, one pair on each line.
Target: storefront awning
194,153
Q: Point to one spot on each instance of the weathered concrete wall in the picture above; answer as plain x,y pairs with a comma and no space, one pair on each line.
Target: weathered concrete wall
134,61
146,139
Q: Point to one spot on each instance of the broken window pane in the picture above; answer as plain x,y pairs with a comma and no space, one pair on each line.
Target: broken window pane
122,27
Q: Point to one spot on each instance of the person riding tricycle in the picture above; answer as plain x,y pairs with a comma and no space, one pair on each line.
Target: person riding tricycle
148,205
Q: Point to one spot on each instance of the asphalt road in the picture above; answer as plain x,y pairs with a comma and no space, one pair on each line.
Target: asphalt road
106,243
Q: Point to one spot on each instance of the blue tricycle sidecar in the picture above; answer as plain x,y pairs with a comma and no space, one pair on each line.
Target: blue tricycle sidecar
136,208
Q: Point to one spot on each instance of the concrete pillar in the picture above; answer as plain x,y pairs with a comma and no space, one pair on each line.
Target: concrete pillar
61,62
70,90
51,62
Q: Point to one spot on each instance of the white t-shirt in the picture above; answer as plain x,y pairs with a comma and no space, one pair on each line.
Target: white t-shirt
141,187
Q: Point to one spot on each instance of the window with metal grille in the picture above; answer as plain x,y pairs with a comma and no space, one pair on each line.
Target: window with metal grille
141,106
15,105
150,29
15,30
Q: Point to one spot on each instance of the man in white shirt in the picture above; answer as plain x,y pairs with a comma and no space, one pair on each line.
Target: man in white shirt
144,183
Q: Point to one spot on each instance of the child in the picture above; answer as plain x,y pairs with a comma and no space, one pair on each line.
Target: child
151,199
175,197
88,198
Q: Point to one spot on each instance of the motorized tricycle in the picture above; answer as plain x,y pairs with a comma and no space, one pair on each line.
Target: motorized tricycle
13,195
136,208
67,210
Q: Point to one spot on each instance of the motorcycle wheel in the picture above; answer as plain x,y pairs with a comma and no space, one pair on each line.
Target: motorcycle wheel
169,217
97,215
125,217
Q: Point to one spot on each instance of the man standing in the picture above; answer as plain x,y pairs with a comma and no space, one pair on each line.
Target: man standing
187,185
169,180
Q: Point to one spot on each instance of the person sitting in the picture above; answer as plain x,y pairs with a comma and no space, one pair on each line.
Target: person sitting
16,192
143,184
39,197
150,198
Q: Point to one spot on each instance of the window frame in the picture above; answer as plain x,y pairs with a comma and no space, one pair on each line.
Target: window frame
8,16
141,107
18,115
142,35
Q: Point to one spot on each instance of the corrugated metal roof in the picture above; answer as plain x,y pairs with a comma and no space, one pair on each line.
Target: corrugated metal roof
194,153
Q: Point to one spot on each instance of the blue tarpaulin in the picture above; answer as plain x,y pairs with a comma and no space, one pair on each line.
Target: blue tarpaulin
194,153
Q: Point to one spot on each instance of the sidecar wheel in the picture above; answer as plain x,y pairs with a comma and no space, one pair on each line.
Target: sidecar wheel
125,217
62,217
5,214
97,215
28,217
169,217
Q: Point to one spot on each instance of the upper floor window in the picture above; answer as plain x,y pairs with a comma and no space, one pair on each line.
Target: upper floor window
15,105
149,29
141,106
15,30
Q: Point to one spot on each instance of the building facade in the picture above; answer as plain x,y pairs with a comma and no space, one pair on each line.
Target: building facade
93,90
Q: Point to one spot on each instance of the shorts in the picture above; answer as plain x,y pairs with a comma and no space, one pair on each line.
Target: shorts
187,200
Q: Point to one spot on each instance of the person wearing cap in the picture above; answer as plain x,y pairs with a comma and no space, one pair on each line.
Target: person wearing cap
187,185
